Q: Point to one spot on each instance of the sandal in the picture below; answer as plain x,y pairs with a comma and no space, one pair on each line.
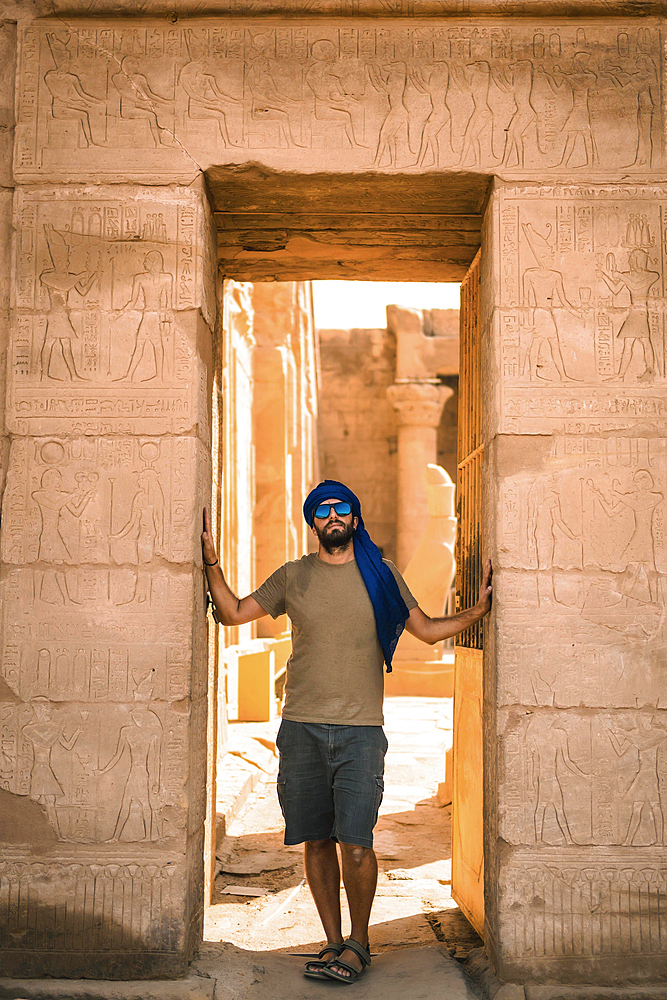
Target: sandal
313,969
363,953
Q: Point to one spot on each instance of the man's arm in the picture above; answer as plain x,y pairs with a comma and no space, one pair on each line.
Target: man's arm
432,630
231,609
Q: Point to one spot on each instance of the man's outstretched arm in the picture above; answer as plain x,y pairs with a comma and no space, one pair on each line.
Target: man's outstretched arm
432,630
231,609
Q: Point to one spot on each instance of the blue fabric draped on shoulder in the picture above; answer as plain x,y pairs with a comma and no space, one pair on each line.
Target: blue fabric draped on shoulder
389,607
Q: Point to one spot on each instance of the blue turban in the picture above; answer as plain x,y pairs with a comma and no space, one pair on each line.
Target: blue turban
388,606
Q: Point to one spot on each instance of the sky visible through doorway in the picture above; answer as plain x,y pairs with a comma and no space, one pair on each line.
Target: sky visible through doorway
345,305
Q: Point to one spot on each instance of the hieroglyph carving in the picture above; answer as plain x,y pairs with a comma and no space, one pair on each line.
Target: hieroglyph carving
572,780
582,306
606,908
99,335
441,93
111,905
583,546
112,772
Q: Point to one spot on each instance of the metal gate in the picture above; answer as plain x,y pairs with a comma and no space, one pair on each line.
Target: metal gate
467,803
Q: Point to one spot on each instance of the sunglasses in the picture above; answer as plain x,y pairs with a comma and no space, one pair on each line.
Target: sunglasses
342,508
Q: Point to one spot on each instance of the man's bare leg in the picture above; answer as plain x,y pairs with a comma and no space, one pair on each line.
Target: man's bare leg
360,875
323,874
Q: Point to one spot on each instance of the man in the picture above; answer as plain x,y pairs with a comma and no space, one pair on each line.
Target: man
348,607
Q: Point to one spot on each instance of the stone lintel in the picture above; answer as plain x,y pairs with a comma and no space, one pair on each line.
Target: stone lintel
395,9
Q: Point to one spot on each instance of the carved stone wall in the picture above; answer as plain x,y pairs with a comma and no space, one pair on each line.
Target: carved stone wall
577,474
450,94
103,656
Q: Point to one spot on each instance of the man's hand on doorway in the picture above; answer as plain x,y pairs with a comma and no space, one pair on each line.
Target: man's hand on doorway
432,630
231,609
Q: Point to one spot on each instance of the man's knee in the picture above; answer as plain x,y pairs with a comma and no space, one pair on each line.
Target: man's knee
355,854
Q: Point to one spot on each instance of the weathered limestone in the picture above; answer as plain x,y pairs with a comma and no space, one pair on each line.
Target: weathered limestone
576,507
285,411
104,672
417,668
357,424
396,129
418,407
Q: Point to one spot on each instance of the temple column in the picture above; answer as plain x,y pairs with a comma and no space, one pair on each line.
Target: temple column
418,406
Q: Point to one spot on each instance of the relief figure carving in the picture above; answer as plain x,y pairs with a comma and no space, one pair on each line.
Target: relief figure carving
332,101
648,737
640,578
142,741
644,82
433,81
548,746
52,500
44,734
206,99
543,294
59,281
517,79
548,534
152,295
578,126
69,101
269,103
145,527
391,79
475,79
638,280
139,102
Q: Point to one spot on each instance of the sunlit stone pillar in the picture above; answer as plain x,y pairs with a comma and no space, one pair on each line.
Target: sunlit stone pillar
418,406
576,482
103,692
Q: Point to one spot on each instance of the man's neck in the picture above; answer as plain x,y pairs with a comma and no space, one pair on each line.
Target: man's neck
343,555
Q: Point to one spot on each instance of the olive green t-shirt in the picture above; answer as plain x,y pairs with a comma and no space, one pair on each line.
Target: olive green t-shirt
335,672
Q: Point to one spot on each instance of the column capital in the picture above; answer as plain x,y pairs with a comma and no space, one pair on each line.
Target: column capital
418,403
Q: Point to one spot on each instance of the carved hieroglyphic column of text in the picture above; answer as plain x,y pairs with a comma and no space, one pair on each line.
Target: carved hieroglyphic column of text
103,695
577,724
419,407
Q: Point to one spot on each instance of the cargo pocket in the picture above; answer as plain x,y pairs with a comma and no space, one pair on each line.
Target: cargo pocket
379,792
281,787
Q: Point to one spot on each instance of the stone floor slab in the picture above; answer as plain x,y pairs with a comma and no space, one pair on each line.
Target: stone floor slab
414,973
192,987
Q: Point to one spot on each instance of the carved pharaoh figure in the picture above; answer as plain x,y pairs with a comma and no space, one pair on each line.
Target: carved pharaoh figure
44,734
206,99
635,328
543,293
69,100
647,738
577,126
640,579
138,101
59,282
332,102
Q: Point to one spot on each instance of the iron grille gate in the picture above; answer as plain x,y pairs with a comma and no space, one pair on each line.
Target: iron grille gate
470,452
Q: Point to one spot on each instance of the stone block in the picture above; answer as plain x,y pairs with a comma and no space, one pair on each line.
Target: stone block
578,343
102,281
521,97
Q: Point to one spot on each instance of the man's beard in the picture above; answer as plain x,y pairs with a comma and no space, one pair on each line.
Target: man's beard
336,537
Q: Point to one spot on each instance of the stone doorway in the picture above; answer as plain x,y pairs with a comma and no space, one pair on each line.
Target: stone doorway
270,228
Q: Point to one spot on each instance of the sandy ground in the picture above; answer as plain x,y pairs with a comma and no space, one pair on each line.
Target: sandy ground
413,909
